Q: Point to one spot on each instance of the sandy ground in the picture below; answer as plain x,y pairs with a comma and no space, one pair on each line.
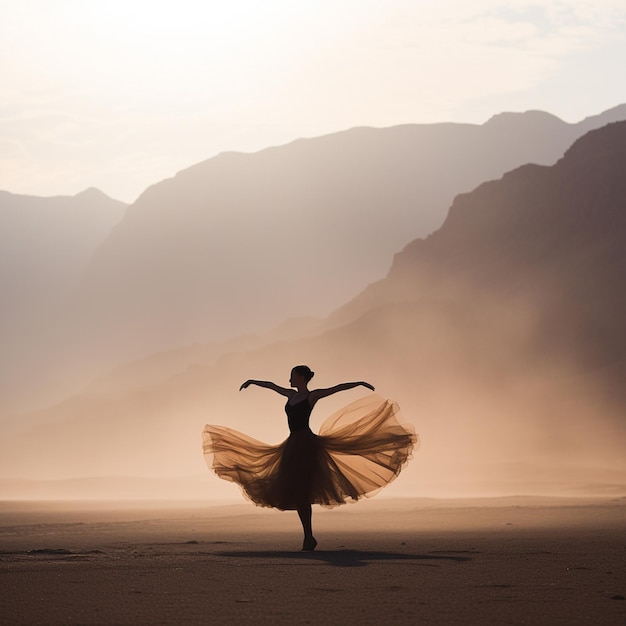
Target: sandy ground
493,561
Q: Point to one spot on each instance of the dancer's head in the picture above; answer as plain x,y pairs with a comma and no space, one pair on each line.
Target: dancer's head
302,372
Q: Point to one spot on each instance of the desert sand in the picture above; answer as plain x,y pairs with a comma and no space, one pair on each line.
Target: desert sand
518,560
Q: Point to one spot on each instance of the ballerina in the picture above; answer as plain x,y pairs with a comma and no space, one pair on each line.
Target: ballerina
359,450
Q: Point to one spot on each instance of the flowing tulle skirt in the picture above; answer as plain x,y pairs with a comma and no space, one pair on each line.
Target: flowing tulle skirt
359,450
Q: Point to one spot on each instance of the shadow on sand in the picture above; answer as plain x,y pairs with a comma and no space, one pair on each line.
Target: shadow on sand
344,558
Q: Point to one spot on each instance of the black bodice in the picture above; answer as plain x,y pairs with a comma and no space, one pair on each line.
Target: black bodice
298,414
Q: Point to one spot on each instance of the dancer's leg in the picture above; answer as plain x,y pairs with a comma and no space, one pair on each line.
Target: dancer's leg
305,514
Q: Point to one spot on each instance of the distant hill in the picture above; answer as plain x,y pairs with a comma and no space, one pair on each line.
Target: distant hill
501,335
45,246
241,242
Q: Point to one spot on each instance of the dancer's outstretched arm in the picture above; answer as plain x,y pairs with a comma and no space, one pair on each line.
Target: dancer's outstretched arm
316,394
283,391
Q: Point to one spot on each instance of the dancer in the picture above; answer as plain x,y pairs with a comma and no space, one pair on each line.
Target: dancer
359,450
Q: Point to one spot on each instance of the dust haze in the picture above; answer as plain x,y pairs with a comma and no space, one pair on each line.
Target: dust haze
494,417
512,389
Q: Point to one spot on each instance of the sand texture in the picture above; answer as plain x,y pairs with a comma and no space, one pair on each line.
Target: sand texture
493,561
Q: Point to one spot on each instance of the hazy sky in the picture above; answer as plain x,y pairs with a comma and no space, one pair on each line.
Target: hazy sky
119,94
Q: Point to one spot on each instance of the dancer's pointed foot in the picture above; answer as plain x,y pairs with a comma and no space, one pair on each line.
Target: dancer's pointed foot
309,544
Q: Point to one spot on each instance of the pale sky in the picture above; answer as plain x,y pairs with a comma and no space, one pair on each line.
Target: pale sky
120,94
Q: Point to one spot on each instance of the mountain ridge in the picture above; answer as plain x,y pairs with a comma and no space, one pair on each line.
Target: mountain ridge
572,214
45,244
215,251
526,366
332,207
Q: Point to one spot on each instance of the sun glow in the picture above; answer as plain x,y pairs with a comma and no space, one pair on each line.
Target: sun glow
122,94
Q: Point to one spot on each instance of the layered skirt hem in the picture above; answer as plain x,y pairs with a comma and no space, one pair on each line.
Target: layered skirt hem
359,450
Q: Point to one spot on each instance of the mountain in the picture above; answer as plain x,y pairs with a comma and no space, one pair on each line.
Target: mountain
548,239
240,242
45,246
501,336
46,243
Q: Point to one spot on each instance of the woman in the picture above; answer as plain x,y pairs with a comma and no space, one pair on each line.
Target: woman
359,450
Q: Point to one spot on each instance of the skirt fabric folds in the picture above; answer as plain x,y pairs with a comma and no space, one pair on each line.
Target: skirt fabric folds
359,450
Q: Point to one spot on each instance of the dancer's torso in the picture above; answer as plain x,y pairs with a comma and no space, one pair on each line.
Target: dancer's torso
298,414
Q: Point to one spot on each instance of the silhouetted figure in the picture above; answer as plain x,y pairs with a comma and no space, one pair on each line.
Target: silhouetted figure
359,450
